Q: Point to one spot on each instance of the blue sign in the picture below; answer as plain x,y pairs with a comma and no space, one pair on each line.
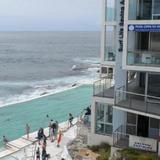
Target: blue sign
144,27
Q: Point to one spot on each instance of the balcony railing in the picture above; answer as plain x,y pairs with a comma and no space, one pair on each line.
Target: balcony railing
138,102
103,88
144,10
121,137
143,58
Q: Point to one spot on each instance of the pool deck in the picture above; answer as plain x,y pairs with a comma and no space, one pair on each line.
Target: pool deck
23,147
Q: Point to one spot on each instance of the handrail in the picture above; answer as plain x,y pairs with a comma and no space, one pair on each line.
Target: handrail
138,94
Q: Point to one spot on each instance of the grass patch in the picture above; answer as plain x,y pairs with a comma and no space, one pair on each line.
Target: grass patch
103,150
132,154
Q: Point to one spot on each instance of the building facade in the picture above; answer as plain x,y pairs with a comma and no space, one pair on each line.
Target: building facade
126,110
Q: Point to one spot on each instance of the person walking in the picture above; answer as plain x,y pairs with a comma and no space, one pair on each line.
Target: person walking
70,120
50,126
59,138
44,145
5,141
56,129
38,154
45,156
40,135
27,130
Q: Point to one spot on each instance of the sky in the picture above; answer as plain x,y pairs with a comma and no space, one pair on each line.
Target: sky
56,15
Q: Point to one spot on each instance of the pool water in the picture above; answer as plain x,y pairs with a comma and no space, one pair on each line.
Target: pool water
14,117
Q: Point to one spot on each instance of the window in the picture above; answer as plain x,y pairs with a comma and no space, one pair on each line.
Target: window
110,43
154,128
103,118
110,10
131,127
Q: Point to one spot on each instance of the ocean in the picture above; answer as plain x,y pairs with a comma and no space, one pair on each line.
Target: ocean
45,73
37,63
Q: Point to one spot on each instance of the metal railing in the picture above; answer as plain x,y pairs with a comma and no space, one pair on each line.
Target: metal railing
120,138
100,86
138,102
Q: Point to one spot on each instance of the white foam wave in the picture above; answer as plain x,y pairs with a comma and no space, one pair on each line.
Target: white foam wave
89,60
40,89
46,88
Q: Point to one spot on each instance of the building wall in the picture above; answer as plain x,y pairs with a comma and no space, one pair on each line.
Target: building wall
119,118
97,139
93,138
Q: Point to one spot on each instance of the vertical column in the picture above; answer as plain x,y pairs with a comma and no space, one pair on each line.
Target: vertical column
120,74
103,31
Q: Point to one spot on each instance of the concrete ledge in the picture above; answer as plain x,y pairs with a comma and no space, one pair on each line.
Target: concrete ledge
8,152
97,139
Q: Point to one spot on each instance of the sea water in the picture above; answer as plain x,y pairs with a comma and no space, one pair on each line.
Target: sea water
33,64
37,113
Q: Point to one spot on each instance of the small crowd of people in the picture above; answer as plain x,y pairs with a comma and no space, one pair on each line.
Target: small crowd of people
42,140
54,134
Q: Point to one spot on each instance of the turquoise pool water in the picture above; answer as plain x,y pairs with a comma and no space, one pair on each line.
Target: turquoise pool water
14,117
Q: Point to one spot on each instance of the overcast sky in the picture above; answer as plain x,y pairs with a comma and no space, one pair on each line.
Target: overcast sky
50,15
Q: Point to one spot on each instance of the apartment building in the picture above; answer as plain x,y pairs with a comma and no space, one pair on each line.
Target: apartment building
126,113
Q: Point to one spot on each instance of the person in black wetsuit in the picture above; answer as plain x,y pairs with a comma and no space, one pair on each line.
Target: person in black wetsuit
70,119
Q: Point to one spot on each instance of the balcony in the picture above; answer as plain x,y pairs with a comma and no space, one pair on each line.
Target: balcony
143,58
137,102
144,9
103,88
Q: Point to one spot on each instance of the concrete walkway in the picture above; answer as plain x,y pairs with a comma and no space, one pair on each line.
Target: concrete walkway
24,149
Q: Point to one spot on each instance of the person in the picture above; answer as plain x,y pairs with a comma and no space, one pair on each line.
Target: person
87,115
59,138
38,154
5,141
56,129
40,135
44,141
54,125
70,119
27,130
50,127
45,156
88,111
51,134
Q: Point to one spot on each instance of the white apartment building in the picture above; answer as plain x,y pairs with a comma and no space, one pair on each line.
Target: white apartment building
127,113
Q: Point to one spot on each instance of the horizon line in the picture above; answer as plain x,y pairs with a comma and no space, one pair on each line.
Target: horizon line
50,30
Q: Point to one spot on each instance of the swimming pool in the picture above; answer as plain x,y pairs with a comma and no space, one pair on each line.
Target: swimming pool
57,106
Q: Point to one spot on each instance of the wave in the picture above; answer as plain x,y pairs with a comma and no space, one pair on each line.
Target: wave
26,91
88,60
45,88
